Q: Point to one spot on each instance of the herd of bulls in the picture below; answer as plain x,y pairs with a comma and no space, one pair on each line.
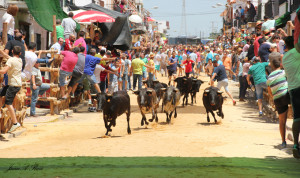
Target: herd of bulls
114,105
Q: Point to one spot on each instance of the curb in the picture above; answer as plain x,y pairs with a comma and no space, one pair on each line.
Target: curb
79,106
15,133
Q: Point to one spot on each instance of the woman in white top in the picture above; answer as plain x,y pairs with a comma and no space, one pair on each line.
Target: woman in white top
8,17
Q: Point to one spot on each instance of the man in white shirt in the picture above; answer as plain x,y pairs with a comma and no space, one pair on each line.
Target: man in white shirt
30,58
69,25
193,57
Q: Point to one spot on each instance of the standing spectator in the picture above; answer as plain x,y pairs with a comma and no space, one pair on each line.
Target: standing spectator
179,57
251,11
37,87
172,68
257,44
145,60
243,79
163,63
264,50
157,61
67,65
120,64
59,30
113,79
13,69
291,64
127,65
257,70
221,77
251,53
137,70
69,25
17,42
8,18
80,41
278,89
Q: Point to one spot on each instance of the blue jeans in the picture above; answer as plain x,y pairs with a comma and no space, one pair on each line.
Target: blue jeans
40,90
129,82
135,78
260,89
151,76
43,60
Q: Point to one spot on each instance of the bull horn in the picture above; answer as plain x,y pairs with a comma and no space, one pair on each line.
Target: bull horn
150,91
176,89
194,79
220,92
206,91
163,89
109,94
144,81
184,79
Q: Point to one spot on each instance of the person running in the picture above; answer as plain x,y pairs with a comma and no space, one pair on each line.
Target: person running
291,64
257,70
13,69
179,62
172,68
188,63
221,76
209,68
278,90
145,60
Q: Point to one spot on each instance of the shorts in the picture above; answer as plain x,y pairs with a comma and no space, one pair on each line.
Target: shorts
91,78
10,94
157,67
76,76
223,83
282,103
260,90
178,65
62,77
172,72
295,101
144,74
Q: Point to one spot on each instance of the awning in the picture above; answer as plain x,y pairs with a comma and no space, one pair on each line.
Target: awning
115,34
43,12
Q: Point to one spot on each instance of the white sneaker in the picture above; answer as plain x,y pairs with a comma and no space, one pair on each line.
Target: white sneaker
14,127
90,102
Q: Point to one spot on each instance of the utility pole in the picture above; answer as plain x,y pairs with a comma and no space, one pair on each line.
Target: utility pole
183,21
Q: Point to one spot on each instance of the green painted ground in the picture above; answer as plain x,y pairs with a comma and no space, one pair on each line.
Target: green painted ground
149,167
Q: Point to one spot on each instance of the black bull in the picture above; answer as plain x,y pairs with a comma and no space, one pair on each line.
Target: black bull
212,101
147,101
170,101
113,106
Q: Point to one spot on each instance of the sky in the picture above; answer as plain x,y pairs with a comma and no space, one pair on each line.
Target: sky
200,15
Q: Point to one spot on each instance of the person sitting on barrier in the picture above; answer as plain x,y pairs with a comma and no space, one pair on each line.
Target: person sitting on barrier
37,87
30,58
13,69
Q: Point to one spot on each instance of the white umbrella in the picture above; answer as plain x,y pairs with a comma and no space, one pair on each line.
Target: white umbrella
135,19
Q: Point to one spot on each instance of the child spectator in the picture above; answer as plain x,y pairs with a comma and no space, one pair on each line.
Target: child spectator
37,87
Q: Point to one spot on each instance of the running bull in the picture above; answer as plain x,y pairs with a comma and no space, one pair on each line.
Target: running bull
147,101
212,101
170,101
114,105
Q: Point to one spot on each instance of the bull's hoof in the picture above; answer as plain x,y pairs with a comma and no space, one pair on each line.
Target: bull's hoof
129,131
208,120
216,121
147,123
142,123
151,120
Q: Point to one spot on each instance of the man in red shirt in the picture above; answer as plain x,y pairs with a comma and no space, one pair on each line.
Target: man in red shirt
188,66
69,43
